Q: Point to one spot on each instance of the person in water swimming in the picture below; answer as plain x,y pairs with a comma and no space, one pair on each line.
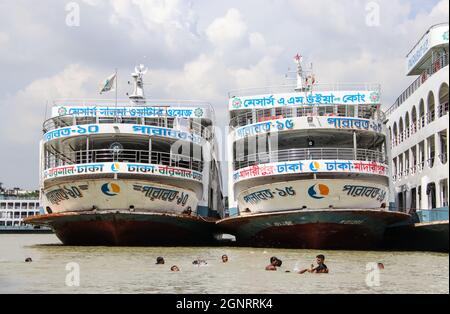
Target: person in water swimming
274,263
321,267
174,268
160,260
199,262
224,258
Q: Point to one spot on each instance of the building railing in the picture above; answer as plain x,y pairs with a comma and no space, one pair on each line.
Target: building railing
309,154
126,156
289,88
437,65
261,115
419,167
421,123
163,122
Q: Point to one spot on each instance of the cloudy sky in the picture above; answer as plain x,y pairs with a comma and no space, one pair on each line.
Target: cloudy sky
196,49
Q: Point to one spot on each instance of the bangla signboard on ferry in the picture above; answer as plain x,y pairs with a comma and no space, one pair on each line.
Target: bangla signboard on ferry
436,36
305,99
129,112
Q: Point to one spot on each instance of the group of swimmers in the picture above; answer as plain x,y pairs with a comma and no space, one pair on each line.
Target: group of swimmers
199,262
321,268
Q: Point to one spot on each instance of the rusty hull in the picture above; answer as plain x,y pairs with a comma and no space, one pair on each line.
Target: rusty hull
314,229
124,228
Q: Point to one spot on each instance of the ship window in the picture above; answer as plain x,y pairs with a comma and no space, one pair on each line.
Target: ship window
443,100
263,115
85,120
350,110
325,110
444,193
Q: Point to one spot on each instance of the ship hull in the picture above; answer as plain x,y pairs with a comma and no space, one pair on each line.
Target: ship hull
426,236
123,228
314,229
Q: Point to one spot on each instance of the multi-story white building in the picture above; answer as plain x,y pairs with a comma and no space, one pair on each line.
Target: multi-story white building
418,128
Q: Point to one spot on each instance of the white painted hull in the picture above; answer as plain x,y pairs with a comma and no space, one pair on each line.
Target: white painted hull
104,194
314,194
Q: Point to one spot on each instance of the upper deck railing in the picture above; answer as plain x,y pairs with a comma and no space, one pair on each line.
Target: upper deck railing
126,156
290,88
164,122
260,115
437,65
163,103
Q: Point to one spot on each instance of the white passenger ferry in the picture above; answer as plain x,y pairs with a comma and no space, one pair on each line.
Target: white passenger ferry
13,211
418,127
309,165
134,172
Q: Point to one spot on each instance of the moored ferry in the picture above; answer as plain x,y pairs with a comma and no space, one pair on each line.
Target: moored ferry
133,172
418,127
309,166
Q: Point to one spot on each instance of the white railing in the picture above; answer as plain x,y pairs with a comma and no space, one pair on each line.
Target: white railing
419,167
261,115
437,65
421,123
289,88
126,155
309,154
161,103
164,122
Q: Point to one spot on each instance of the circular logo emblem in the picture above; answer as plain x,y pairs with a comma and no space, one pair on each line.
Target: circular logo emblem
110,189
318,191
236,103
198,112
375,97
115,167
314,166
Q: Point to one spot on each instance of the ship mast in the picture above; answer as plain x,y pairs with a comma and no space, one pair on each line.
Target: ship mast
298,59
138,95
304,82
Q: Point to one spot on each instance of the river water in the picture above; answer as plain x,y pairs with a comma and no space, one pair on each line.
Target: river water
133,270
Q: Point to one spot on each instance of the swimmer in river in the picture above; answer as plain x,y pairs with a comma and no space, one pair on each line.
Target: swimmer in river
28,260
274,263
224,258
321,267
174,268
380,266
200,262
160,260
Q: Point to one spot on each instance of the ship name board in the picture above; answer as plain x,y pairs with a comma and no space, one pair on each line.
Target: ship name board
436,36
302,123
116,167
305,98
126,128
131,112
310,166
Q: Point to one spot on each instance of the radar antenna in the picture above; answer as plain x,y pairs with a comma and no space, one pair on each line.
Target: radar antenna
138,88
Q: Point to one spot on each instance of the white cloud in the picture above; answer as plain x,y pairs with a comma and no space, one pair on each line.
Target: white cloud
27,107
4,38
228,30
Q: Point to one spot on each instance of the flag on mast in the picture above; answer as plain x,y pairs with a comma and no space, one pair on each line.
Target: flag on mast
109,83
